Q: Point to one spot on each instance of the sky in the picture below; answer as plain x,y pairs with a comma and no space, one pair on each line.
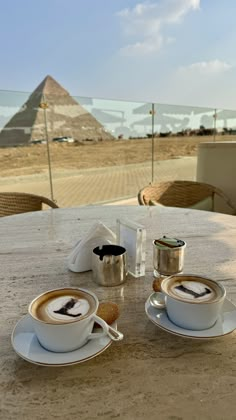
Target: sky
164,51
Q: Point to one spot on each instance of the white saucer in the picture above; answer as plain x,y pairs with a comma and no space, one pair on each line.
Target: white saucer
26,345
225,324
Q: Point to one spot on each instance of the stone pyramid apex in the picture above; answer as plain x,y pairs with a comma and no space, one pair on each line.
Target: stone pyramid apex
49,86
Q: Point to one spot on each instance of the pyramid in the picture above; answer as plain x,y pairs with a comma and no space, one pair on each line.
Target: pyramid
65,117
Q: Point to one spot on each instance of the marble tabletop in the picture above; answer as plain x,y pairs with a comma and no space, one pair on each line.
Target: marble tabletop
150,374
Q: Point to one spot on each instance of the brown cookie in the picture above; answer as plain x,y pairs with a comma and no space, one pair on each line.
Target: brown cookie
108,311
156,285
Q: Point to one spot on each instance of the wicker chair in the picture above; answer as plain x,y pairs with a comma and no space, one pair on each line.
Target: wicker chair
16,202
180,194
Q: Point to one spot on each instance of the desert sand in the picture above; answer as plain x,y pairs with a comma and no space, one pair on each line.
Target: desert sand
31,160
103,172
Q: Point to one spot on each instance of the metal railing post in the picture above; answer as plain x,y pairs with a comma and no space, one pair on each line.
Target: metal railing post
153,114
214,117
44,106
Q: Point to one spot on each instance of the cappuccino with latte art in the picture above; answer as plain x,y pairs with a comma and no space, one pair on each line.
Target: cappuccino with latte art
63,319
192,302
62,306
193,290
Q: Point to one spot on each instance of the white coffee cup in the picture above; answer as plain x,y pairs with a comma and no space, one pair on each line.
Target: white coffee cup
65,331
186,303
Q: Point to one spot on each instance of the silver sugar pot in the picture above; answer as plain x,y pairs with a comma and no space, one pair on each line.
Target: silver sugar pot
168,256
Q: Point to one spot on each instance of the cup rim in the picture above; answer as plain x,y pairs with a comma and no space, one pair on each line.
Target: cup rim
192,301
58,289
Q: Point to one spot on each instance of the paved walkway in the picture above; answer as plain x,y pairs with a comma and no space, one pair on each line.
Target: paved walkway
103,185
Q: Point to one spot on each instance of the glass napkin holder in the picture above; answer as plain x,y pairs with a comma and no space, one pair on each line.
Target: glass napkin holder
132,236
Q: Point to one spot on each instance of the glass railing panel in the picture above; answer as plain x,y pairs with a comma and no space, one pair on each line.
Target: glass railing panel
23,151
177,132
225,125
99,151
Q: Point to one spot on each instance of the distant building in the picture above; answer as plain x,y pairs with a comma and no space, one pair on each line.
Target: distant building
65,117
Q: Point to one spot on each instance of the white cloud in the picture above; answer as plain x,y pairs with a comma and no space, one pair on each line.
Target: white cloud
142,48
144,23
207,67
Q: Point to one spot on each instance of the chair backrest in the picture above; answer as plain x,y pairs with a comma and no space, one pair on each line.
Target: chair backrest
180,194
16,202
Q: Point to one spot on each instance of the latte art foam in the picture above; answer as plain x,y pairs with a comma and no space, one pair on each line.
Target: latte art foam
192,290
66,307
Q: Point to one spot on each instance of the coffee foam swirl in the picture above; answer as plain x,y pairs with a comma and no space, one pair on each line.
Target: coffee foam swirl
65,308
192,290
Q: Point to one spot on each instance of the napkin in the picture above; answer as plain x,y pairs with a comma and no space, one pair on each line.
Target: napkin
80,258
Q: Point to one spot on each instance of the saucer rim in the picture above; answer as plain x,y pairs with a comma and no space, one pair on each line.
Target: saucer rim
193,337
114,325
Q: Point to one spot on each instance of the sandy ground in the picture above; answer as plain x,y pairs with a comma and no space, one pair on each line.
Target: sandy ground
100,172
31,160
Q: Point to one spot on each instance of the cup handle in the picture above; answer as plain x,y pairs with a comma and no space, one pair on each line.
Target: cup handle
107,330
